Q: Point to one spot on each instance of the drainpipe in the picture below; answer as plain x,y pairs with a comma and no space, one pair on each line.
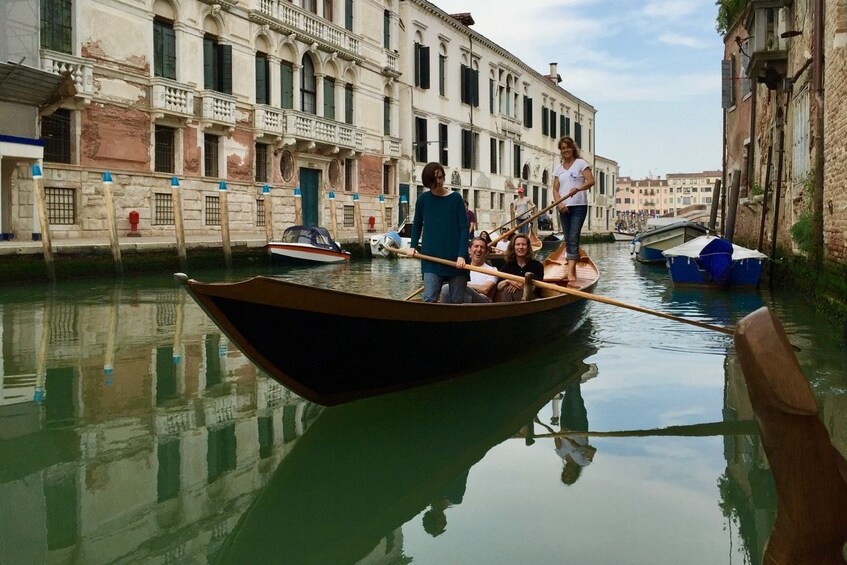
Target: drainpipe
817,82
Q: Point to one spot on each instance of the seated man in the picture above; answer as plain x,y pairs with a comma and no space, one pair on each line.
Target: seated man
481,287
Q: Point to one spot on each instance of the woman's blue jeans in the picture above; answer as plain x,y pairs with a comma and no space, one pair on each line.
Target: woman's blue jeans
571,227
432,287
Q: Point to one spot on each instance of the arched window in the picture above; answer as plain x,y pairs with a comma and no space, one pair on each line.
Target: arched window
308,87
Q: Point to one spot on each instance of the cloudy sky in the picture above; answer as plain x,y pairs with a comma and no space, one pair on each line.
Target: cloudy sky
651,68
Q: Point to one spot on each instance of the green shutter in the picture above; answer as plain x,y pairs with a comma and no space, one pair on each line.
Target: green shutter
225,70
262,90
424,66
348,104
329,98
287,84
209,63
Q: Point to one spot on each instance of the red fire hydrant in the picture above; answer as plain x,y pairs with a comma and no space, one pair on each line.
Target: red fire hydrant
133,224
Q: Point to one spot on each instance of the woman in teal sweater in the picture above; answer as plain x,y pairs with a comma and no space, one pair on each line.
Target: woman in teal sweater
442,212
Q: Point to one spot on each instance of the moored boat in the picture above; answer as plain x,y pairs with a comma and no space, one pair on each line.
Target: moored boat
648,245
712,260
623,236
308,244
293,332
399,239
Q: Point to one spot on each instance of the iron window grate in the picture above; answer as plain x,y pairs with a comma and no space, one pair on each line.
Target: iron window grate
163,212
61,205
213,211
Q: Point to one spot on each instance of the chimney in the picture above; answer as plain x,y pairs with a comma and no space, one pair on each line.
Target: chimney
554,75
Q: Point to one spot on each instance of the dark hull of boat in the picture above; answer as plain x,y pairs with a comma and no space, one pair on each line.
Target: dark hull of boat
332,347
364,470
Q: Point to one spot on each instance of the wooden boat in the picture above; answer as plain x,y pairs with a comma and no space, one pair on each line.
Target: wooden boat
809,472
363,470
648,245
320,342
623,236
308,244
714,261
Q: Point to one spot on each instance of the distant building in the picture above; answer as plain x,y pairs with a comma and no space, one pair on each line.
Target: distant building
638,199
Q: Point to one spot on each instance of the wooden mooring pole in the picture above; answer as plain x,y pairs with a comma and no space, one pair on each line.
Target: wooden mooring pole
333,219
357,212
111,218
298,206
269,215
176,198
41,205
382,212
224,202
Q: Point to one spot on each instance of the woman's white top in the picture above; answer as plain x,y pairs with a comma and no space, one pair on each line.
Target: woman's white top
572,177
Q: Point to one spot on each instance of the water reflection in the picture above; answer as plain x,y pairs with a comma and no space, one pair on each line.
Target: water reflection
365,469
131,430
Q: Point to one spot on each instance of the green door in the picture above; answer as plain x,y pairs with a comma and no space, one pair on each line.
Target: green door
309,183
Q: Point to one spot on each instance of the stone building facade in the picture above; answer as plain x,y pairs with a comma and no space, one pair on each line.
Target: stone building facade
782,132
345,101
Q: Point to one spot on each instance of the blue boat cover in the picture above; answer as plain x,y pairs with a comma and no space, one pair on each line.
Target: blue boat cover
716,259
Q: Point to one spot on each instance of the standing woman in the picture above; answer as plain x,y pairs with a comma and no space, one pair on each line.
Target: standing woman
571,180
441,212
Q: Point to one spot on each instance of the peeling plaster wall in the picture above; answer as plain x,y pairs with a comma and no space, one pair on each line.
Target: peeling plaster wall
239,155
370,174
113,136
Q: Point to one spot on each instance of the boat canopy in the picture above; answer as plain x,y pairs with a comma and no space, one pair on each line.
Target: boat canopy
694,247
310,235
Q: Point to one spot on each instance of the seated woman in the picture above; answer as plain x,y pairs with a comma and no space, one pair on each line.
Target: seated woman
519,262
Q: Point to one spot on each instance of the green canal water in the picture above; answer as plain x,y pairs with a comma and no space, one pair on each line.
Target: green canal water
131,431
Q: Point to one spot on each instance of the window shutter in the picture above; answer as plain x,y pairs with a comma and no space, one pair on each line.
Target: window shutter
329,98
545,117
463,79
287,86
348,14
261,78
474,74
417,61
225,68
209,66
169,38
386,116
577,134
424,53
527,111
348,104
552,124
466,149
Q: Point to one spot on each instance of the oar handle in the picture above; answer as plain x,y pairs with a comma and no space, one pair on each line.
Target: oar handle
574,292
525,222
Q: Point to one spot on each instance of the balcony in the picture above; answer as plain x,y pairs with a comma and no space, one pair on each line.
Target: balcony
268,120
391,147
217,108
301,126
767,20
284,17
80,69
171,98
391,67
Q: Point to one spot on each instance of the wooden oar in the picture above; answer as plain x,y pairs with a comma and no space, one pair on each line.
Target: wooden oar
525,222
414,294
574,292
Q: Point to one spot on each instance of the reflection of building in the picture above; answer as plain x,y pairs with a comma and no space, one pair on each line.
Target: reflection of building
157,458
746,487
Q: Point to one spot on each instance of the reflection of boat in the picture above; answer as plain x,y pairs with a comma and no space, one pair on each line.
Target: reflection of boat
308,244
365,469
648,245
714,261
399,239
291,331
552,240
